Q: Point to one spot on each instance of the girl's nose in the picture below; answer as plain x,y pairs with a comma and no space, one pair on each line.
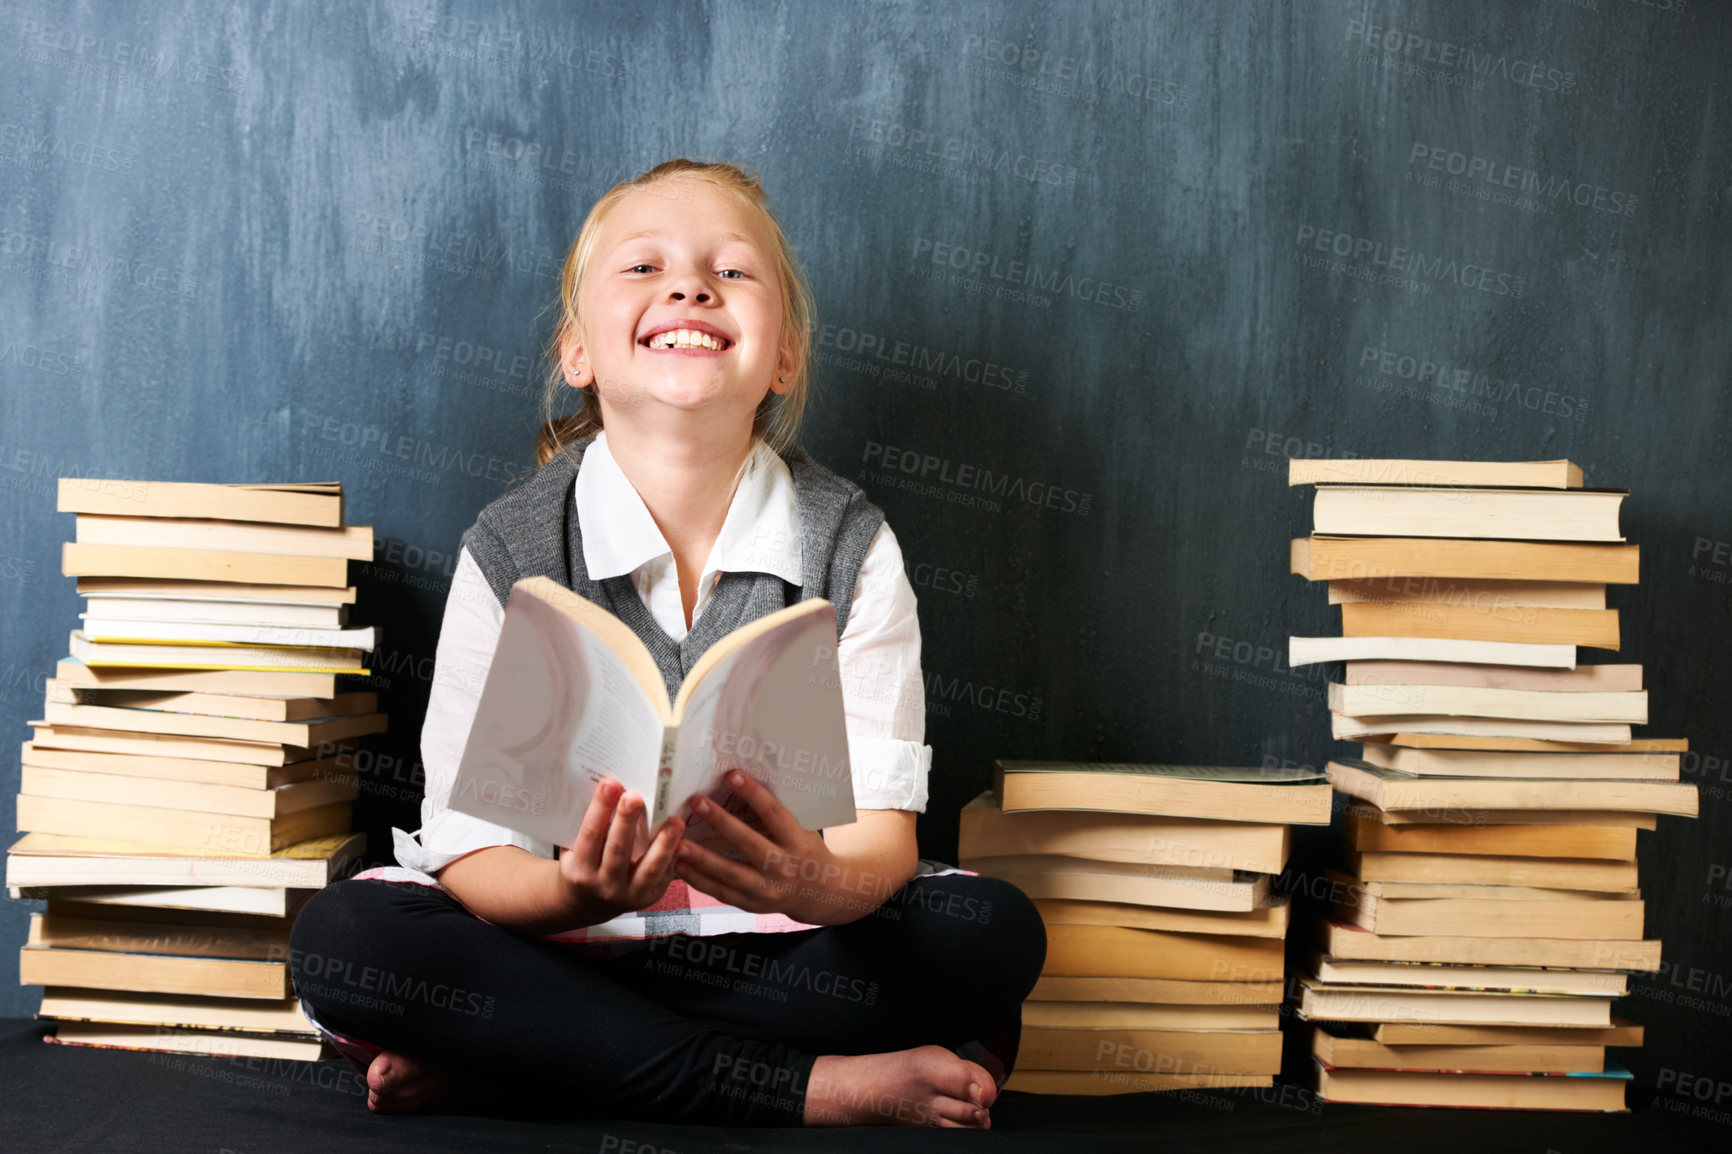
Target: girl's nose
690,285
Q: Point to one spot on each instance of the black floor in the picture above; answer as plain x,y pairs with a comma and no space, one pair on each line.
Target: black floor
65,1098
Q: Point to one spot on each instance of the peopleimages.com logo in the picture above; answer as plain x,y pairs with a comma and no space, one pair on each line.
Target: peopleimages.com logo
1412,47
981,265
1409,262
934,470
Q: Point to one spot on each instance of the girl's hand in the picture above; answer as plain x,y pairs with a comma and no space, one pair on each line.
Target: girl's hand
786,869
603,880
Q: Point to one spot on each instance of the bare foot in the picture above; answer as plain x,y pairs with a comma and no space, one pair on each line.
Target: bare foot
398,1084
926,1086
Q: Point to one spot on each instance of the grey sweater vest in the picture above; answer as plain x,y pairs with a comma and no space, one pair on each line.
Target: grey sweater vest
533,531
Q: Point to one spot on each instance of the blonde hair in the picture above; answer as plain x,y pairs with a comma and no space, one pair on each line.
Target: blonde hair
777,422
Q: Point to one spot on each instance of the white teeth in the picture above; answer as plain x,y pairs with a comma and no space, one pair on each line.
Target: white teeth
684,339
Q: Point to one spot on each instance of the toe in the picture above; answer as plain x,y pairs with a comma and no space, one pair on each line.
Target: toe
975,1083
963,1080
978,1076
958,1113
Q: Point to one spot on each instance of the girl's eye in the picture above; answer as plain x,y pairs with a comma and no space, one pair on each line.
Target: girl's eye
730,273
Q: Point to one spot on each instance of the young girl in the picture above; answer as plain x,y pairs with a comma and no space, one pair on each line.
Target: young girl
806,977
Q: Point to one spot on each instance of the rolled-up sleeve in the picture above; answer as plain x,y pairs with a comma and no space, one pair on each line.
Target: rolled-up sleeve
467,638
883,695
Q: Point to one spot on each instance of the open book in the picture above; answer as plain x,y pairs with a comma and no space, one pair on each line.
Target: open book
574,696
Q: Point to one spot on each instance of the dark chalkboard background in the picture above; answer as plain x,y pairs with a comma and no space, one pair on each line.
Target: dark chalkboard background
1130,256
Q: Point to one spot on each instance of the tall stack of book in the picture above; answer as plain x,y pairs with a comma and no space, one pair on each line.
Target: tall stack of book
1164,943
190,781
1489,910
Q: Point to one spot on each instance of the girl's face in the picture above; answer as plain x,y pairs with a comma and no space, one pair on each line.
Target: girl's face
681,306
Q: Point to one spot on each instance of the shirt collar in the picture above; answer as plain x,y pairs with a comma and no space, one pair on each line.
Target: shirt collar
761,533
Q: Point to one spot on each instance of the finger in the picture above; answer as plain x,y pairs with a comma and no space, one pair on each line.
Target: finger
597,818
656,865
717,888
778,820
754,845
726,870
616,854
721,893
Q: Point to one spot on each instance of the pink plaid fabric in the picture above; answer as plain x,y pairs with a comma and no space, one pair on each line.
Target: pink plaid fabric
681,910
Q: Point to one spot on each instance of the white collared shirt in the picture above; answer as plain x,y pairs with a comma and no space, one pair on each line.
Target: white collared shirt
878,654
760,534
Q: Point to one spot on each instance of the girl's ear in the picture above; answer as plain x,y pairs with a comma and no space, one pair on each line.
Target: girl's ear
575,365
784,370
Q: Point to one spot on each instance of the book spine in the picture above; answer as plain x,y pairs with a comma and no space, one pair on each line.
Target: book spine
665,775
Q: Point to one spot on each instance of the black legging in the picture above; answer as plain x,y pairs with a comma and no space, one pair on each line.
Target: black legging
718,1029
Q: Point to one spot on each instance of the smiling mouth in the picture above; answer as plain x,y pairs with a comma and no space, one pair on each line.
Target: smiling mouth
686,339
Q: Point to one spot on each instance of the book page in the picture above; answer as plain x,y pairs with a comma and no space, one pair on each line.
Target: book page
773,707
558,712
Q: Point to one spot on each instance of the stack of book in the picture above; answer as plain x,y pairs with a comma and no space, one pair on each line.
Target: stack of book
1164,943
1489,911
190,782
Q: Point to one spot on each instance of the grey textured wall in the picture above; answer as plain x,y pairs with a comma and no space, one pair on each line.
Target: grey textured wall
1129,256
